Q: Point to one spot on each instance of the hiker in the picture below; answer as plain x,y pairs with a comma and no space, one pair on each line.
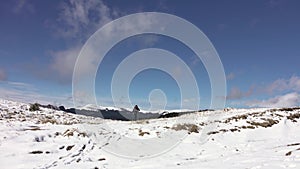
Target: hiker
135,110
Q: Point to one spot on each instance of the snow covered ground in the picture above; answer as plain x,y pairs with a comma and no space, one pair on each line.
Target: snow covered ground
232,138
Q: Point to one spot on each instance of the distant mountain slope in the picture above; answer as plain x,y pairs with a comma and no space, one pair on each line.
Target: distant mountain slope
113,113
231,138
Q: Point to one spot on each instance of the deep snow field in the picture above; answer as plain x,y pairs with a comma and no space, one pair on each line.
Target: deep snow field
231,138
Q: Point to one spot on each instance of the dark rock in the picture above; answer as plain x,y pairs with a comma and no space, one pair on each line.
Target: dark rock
49,106
168,115
69,147
289,109
212,132
288,153
36,152
62,108
101,159
204,110
71,110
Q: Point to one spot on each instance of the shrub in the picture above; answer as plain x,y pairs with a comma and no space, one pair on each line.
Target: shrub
34,107
191,128
142,133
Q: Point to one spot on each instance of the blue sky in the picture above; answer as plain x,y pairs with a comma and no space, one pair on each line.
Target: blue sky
257,41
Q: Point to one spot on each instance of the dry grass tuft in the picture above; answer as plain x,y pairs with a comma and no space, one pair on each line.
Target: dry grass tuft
142,133
266,123
72,132
191,128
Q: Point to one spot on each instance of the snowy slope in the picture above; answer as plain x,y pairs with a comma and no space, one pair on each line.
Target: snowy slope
235,138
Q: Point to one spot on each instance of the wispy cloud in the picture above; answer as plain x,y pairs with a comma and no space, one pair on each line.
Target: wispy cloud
63,63
222,26
76,22
282,93
274,3
79,19
286,100
230,76
27,93
253,22
3,75
236,93
23,6
280,85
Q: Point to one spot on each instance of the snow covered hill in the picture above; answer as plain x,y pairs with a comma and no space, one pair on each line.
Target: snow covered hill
231,138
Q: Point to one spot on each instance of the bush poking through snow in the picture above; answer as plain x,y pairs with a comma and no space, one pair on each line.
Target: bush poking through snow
236,118
69,147
288,153
142,133
36,152
214,132
73,132
266,123
101,159
293,117
191,128
34,107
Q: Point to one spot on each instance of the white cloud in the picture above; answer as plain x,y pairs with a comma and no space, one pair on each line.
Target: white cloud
287,100
230,76
292,84
79,19
236,93
63,63
278,86
2,75
23,6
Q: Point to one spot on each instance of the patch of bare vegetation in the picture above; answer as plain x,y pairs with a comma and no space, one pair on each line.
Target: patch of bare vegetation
142,133
34,107
55,119
236,118
294,144
234,130
257,114
191,128
293,117
248,127
266,123
68,148
38,116
289,109
32,128
224,131
48,120
290,152
36,152
74,132
142,122
213,132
